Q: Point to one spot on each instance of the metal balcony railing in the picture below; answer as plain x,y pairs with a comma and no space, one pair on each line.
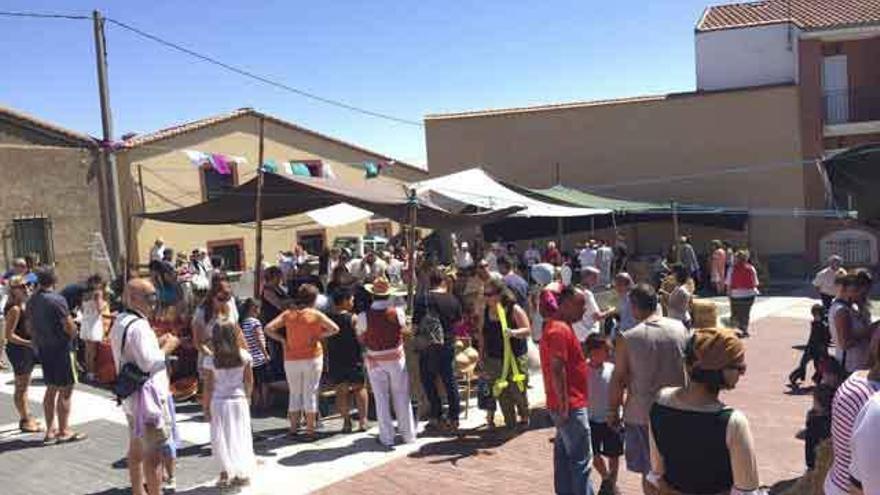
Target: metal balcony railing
852,105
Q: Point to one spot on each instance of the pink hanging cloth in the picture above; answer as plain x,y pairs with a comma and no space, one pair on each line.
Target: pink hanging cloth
221,164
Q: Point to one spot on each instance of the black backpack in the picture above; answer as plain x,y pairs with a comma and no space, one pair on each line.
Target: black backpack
130,378
429,332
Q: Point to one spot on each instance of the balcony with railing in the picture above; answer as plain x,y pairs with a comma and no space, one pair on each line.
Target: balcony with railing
853,105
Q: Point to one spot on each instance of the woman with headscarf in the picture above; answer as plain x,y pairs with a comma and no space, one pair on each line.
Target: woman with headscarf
719,455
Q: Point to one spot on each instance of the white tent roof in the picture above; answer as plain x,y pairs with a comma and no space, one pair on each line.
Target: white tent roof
338,214
475,187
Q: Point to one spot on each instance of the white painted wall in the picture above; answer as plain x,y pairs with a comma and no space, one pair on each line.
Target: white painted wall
744,57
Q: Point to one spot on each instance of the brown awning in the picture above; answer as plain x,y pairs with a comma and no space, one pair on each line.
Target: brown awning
285,195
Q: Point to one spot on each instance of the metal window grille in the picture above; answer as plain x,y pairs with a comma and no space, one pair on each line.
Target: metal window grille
230,254
853,251
33,236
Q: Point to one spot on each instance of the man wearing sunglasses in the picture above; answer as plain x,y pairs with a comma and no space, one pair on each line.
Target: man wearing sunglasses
133,340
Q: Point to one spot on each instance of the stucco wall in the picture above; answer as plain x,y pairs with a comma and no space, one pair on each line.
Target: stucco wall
170,181
639,150
52,181
744,57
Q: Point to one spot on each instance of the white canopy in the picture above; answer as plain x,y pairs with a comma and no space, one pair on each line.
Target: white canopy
338,214
475,187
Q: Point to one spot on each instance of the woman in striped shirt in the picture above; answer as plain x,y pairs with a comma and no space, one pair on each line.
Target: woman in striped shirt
252,330
848,401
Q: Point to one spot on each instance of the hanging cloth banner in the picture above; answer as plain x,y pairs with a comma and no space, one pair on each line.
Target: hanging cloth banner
372,169
197,158
300,169
220,164
270,165
509,366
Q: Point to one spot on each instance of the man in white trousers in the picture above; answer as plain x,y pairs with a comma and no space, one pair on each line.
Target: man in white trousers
381,329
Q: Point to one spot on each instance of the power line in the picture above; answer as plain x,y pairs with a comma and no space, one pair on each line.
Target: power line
219,63
262,79
40,15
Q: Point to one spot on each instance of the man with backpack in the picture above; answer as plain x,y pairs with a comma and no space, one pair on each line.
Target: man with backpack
143,385
435,312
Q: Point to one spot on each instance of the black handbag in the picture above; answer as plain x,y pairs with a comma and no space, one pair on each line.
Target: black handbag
130,378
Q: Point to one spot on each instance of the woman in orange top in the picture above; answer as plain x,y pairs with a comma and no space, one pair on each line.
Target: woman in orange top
304,327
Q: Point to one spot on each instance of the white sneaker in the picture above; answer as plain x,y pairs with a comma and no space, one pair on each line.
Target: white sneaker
170,485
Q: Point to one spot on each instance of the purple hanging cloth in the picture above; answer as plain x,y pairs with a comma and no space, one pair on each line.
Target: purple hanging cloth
220,164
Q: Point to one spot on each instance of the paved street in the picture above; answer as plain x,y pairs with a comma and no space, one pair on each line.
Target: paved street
350,464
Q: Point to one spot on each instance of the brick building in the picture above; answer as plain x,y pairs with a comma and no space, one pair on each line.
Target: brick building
780,84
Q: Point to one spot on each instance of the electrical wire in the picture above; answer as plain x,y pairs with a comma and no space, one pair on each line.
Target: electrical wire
211,60
262,79
41,15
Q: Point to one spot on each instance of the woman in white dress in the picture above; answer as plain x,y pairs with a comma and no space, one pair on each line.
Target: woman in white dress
91,331
229,382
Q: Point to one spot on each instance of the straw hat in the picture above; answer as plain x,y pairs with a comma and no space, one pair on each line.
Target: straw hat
381,287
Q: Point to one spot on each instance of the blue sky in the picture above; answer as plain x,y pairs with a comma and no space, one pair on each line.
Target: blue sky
402,58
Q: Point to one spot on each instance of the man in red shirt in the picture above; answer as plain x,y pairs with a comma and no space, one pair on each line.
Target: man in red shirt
565,384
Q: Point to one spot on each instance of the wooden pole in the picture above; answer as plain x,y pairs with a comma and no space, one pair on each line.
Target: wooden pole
120,240
258,216
141,187
560,226
411,240
675,233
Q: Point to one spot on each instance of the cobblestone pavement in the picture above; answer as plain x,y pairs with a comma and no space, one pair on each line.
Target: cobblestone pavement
476,462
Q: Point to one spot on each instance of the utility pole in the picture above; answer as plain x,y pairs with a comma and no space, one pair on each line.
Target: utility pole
258,216
108,154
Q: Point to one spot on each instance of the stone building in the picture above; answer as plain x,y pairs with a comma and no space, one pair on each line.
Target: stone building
50,205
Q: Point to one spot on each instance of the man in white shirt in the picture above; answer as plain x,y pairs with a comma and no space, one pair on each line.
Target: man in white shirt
824,282
491,257
604,262
369,268
463,258
865,465
132,340
587,256
532,255
158,250
380,329
593,315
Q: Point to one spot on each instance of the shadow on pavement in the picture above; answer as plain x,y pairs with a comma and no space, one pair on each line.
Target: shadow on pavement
19,444
463,447
317,455
782,487
200,490
799,390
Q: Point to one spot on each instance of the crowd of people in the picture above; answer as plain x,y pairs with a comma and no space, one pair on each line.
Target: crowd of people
626,379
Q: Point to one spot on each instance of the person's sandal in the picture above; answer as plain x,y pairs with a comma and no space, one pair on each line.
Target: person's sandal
346,427
30,425
73,437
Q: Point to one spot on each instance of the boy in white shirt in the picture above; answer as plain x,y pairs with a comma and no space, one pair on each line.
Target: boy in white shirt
607,442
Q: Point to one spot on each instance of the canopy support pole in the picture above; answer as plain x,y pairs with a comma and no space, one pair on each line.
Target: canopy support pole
675,231
258,216
411,254
560,231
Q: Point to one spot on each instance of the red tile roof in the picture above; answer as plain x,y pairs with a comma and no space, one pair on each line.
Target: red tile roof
806,14
39,124
177,130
